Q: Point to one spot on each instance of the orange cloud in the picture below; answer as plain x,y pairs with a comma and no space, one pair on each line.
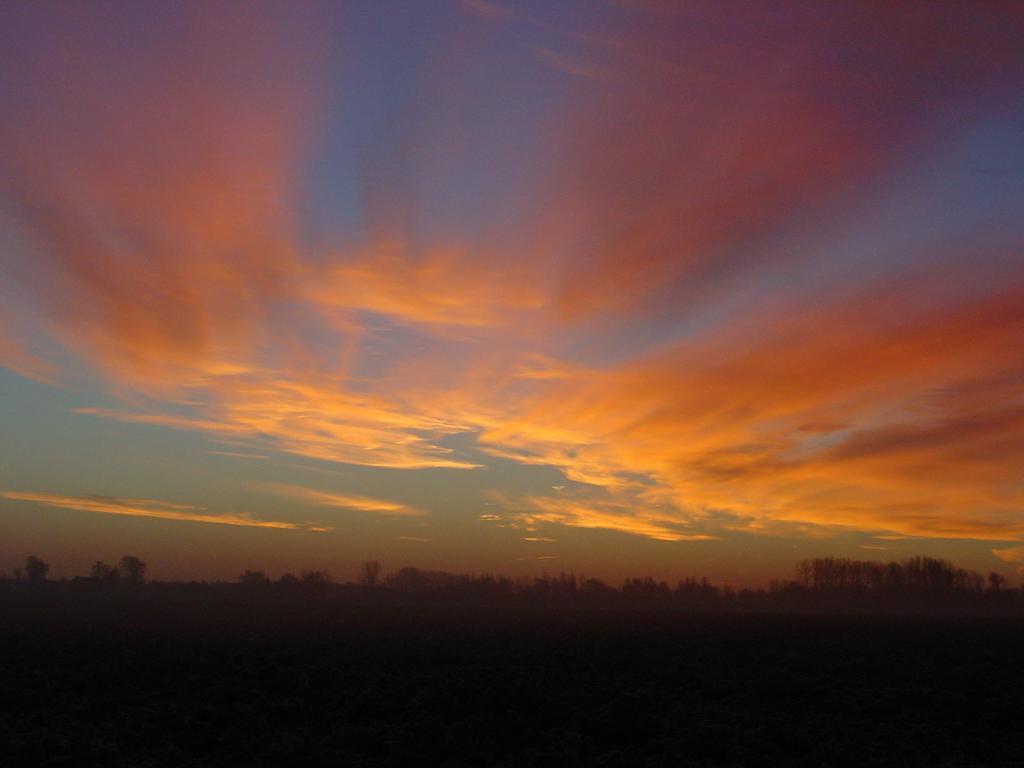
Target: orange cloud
348,501
167,251
314,418
448,287
1010,554
595,514
161,510
720,427
154,197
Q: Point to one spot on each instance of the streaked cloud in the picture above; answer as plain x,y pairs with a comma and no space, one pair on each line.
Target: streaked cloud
240,455
347,501
161,510
720,427
314,419
447,287
647,293
594,514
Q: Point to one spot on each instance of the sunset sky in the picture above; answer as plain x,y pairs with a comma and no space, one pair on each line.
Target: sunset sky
624,288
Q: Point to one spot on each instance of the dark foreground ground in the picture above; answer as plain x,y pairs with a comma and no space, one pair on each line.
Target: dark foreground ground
162,683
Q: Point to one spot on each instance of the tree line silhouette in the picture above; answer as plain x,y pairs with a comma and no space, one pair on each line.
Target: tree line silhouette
828,584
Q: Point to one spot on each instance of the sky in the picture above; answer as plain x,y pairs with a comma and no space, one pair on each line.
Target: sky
619,288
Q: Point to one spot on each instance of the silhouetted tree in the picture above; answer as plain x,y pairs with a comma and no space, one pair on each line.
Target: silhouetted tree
133,570
417,579
562,584
645,587
487,585
103,572
369,573
36,569
254,578
804,572
915,584
699,593
409,578
316,578
593,586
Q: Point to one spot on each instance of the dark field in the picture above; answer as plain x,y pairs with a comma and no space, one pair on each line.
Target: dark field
202,683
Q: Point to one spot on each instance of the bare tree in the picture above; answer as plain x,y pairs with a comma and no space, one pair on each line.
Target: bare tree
369,573
316,578
133,569
101,571
36,569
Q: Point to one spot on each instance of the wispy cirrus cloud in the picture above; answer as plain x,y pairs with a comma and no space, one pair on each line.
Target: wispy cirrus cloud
585,316
682,170
447,287
721,427
313,416
347,501
531,513
151,508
